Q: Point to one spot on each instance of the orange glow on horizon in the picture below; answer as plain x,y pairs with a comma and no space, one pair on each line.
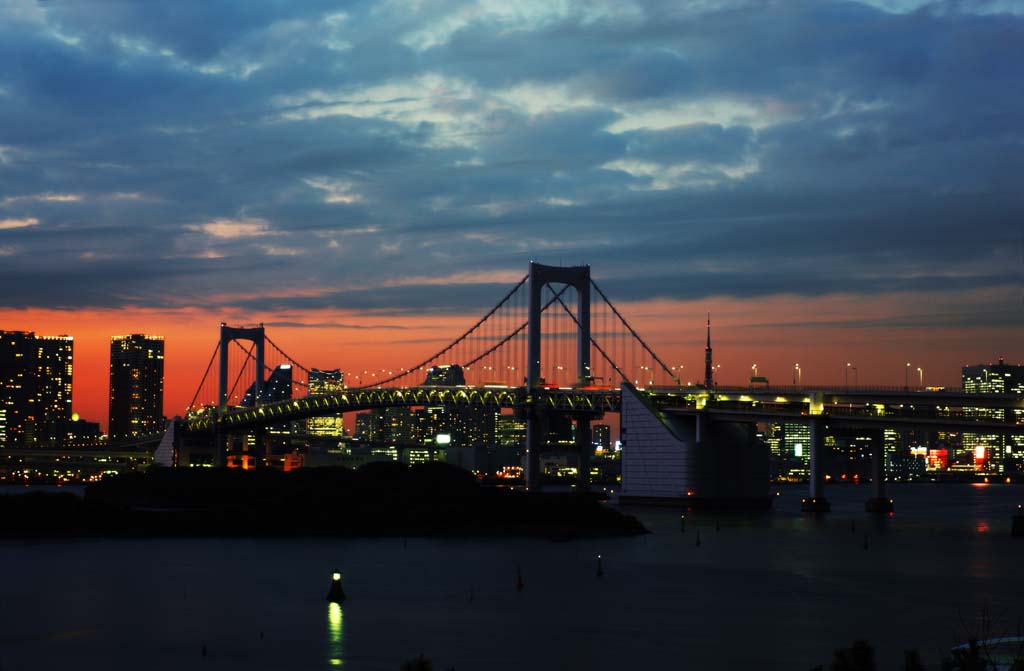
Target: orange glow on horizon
774,332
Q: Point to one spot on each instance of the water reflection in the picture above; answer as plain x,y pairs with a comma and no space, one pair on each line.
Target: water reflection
335,619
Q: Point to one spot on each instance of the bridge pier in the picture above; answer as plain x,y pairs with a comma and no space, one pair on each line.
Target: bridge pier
220,447
816,502
534,439
584,446
879,502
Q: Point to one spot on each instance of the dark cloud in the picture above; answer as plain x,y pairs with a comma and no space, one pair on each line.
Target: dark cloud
179,153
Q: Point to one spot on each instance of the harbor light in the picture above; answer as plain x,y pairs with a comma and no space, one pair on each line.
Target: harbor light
336,594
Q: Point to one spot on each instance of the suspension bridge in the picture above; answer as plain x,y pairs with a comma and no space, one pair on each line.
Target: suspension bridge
556,345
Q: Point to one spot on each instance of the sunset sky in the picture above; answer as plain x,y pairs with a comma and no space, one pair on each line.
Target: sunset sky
835,181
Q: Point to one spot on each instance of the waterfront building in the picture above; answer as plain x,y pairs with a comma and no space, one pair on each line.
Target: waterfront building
136,386
17,386
54,372
473,427
446,375
561,431
367,427
991,452
326,382
794,449
278,387
509,430
35,385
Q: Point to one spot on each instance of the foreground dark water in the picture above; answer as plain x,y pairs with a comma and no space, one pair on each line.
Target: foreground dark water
766,591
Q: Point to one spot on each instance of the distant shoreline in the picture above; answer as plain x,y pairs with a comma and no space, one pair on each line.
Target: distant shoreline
387,499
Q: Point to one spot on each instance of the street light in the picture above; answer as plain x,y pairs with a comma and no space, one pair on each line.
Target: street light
920,377
846,373
753,367
798,375
906,376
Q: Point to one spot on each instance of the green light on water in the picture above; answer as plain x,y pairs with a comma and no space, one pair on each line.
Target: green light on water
335,619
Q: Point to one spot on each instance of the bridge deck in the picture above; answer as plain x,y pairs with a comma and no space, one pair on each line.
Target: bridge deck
842,406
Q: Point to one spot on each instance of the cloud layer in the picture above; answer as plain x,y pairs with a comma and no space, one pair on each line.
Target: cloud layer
173,155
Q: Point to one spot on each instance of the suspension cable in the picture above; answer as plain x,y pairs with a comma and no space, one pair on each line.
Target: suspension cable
512,335
282,353
241,369
594,342
199,389
454,342
635,334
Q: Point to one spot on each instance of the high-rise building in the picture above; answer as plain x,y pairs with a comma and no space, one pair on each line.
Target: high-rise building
368,426
474,427
326,382
277,387
35,385
17,386
601,435
994,452
447,375
54,371
509,430
136,386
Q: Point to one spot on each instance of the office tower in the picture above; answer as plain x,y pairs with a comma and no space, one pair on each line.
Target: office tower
17,386
326,382
54,369
277,387
368,426
447,375
473,427
561,430
509,430
796,449
35,385
993,452
136,386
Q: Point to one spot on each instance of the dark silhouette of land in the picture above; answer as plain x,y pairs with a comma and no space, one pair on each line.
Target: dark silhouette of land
379,499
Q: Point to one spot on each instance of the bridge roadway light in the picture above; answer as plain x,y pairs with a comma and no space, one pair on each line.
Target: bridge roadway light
798,375
906,376
920,377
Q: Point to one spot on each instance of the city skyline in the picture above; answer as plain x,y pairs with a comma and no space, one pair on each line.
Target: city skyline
363,181
92,361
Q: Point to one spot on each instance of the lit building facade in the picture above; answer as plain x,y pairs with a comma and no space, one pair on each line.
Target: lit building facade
326,382
136,386
509,430
991,452
35,386
54,372
447,375
17,386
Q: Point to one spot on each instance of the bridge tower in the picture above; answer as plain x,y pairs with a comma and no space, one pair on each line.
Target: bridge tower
255,335
540,276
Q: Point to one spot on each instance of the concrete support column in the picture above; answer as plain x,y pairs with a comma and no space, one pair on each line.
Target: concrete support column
220,448
260,448
816,502
584,447
534,440
879,502
701,430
